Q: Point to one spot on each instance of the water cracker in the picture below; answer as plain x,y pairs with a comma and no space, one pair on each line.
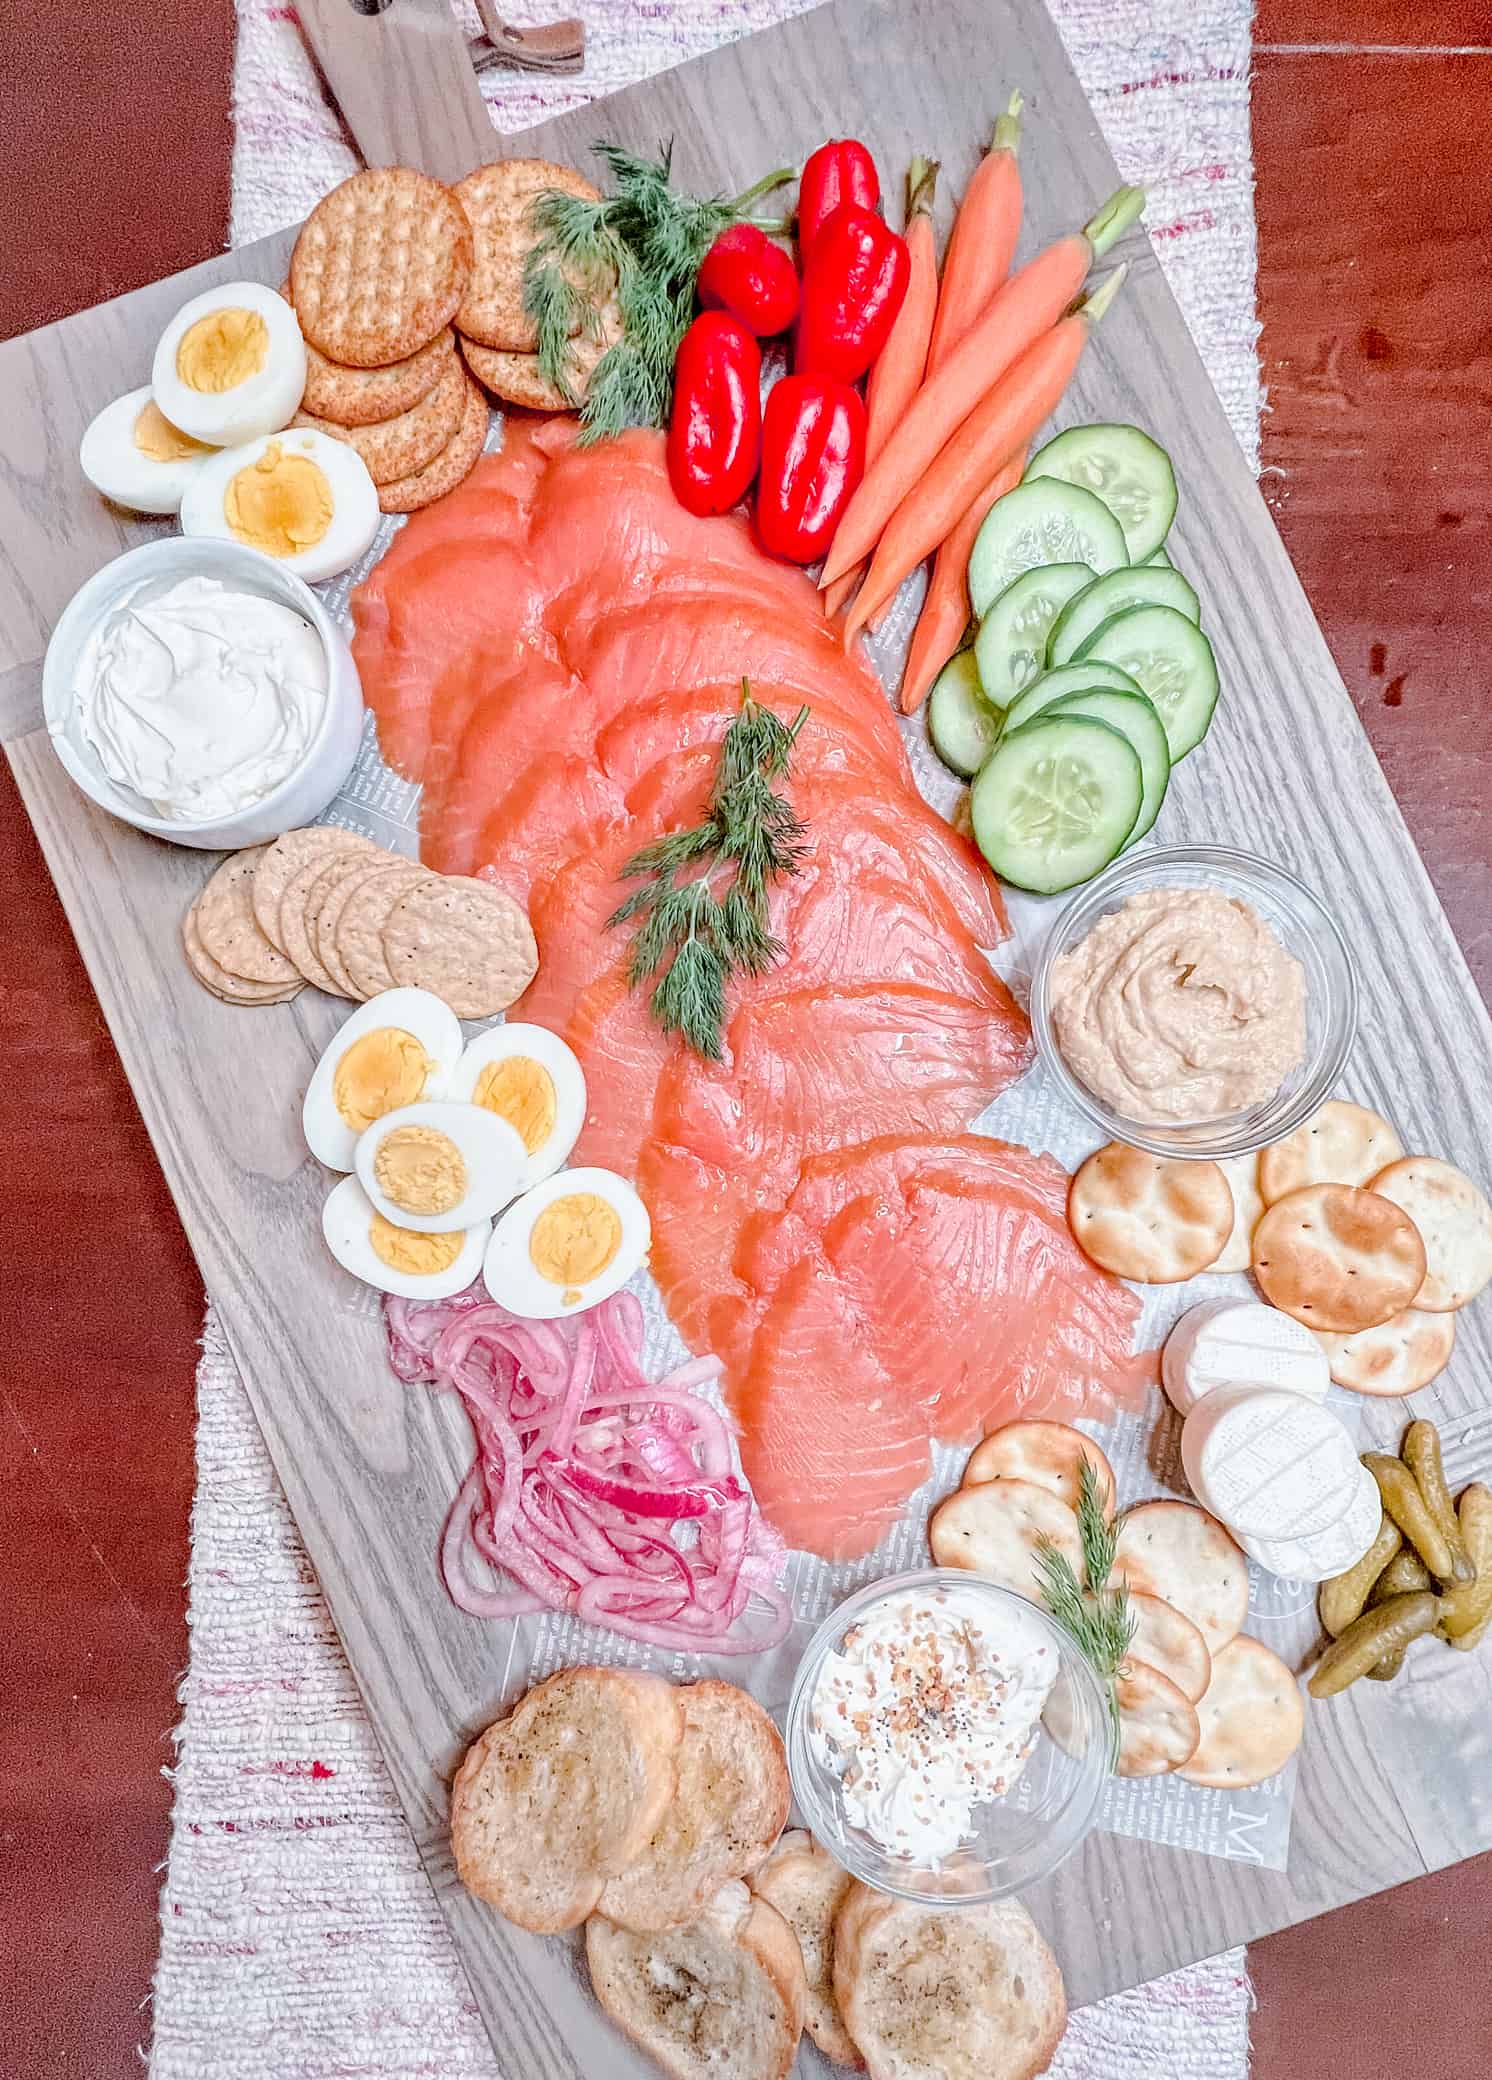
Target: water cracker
1455,1224
1337,1257
1252,1717
1342,1144
1179,1553
1145,1217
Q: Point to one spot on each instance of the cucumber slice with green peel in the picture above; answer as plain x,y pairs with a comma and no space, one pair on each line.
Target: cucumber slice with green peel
1159,560
1170,661
1046,522
1055,801
1067,678
1129,471
1012,639
1134,717
1085,615
962,724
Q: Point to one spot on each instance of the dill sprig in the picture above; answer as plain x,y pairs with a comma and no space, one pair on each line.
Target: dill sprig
1096,1617
642,245
696,937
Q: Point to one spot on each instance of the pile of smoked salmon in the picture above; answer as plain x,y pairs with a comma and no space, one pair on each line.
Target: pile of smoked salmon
555,651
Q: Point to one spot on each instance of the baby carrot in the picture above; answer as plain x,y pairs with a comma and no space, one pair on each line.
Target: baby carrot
1024,310
897,373
982,242
1001,424
945,611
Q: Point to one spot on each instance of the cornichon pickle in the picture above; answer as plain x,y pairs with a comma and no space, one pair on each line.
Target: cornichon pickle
1469,1604
1420,1452
1410,1511
1342,1598
1385,1670
1372,1638
1405,1573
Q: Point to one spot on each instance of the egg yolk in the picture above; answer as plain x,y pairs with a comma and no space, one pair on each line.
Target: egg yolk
222,350
159,441
521,1091
417,1256
381,1071
574,1239
420,1169
280,504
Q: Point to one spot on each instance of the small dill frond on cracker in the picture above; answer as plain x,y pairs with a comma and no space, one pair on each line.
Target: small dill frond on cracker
1096,1617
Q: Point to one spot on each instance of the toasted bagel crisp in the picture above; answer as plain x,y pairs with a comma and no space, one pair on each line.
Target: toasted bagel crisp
807,1887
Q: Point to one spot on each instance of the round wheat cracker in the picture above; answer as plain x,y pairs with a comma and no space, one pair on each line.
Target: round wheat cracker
1050,1454
280,862
1337,1257
450,467
380,266
1149,1218
465,941
1392,1358
363,396
1343,1143
398,447
993,1530
229,930
496,199
358,930
216,980
1168,1640
518,379
1158,1724
1455,1224
1252,1716
1176,1551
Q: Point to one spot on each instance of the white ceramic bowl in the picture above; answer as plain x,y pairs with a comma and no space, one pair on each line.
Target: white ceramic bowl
305,791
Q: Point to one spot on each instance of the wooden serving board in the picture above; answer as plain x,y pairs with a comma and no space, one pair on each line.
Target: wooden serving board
1395,1780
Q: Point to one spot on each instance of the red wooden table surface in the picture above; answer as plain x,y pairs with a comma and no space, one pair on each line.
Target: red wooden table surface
1374,202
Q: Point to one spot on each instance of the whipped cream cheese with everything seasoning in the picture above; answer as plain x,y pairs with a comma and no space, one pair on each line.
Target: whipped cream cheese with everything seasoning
927,1711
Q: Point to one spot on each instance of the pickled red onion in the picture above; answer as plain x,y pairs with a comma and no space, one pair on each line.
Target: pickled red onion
585,1470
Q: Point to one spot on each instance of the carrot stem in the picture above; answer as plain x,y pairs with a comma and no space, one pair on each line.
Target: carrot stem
922,181
1124,207
1007,137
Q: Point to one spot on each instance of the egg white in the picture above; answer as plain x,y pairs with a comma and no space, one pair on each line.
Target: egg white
492,1151
355,514
415,1011
264,401
119,470
346,1219
537,1044
515,1281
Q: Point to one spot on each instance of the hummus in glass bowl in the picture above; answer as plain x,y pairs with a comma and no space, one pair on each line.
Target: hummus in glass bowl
1196,1001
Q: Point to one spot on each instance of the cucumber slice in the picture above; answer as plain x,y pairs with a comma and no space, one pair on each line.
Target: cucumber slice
1170,661
1085,615
1159,560
1055,801
1011,646
1053,686
1048,522
1134,717
1126,469
962,724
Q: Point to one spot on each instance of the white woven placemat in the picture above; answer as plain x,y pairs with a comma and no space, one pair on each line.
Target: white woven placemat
299,1939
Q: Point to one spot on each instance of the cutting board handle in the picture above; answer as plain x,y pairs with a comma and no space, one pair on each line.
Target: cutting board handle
552,47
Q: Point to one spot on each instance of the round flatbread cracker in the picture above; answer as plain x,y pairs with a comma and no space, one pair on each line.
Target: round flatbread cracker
1342,1144
1050,1454
229,930
380,266
1166,1639
465,941
1177,1552
295,916
395,448
451,466
279,863
517,378
994,1530
497,199
1242,1173
1158,1726
331,889
363,396
1252,1716
1337,1257
1144,1217
1393,1358
1455,1224
359,926
229,989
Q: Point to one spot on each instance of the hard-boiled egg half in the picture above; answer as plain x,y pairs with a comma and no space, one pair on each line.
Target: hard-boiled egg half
404,1261
231,365
433,1167
567,1244
134,455
399,1048
528,1077
300,496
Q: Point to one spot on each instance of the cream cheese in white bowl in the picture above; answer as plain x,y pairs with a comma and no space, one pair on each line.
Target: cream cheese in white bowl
202,693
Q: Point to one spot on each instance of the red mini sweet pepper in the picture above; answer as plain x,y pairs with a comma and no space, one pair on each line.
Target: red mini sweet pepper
813,456
715,428
854,281
838,172
754,279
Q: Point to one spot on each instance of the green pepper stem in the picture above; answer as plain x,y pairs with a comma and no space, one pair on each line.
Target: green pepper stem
1095,304
764,186
1007,137
922,180
775,227
1124,207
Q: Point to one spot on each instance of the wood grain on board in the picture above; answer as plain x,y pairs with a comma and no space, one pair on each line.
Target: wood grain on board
1141,1885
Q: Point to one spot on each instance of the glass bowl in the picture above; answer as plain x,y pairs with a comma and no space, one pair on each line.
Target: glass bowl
1016,1839
1303,925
